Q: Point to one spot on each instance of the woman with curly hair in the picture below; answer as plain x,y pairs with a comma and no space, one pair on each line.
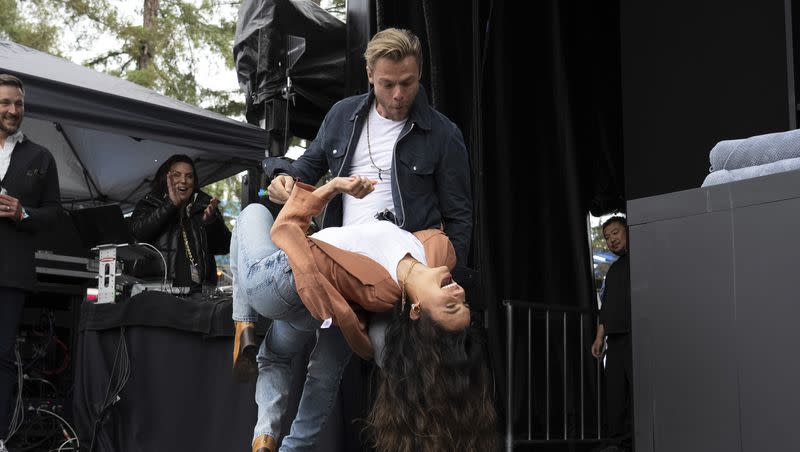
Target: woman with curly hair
319,288
433,387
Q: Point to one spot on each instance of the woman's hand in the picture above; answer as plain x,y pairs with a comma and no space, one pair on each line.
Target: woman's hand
356,186
208,214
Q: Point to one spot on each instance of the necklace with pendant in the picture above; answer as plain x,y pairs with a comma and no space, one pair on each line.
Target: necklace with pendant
369,150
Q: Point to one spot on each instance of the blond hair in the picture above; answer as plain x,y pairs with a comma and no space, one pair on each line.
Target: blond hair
395,44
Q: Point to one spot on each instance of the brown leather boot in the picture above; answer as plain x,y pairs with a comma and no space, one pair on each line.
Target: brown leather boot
245,368
265,443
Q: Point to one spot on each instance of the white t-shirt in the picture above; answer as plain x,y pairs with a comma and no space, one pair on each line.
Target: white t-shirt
383,135
6,150
381,241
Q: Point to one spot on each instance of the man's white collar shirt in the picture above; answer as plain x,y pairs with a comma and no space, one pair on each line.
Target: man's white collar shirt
8,148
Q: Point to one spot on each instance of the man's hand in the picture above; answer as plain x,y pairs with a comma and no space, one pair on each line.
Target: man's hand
599,341
597,348
177,197
10,208
208,214
280,188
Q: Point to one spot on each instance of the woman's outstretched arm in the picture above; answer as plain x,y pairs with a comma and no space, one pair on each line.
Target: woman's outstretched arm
356,186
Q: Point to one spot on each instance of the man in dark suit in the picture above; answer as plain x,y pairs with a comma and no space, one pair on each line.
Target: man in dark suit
29,200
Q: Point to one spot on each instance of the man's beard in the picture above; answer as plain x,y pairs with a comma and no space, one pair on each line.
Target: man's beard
9,130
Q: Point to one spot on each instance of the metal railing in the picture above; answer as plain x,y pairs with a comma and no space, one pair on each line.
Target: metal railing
578,373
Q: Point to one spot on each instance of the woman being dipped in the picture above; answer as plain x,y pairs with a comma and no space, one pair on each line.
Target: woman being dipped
319,289
433,384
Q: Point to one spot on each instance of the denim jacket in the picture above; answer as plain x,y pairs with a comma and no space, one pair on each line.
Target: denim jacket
430,168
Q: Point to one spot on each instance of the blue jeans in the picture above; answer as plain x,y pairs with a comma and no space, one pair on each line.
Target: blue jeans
263,284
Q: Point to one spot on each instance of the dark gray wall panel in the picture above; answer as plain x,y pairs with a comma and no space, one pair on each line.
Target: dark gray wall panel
767,248
684,366
715,306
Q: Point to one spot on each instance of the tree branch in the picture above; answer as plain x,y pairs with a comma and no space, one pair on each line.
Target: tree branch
103,58
125,65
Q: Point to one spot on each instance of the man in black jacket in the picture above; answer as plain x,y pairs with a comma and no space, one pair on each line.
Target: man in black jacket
29,200
415,160
414,155
615,328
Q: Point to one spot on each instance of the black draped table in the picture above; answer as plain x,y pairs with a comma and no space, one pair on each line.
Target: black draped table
179,394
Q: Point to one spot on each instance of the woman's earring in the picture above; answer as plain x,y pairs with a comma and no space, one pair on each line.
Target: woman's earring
416,308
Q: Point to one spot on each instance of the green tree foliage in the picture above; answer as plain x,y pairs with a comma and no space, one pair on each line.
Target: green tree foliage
228,191
337,8
38,32
161,47
598,243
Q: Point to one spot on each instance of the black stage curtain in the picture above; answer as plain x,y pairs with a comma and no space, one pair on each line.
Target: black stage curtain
540,111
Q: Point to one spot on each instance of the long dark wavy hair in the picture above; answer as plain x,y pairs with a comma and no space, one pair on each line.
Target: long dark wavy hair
434,391
159,182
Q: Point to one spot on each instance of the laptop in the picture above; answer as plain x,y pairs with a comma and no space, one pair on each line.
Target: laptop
103,225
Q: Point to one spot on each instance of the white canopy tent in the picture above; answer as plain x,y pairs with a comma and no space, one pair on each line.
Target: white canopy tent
109,135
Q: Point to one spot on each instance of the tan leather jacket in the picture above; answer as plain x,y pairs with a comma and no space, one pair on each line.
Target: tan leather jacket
337,284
